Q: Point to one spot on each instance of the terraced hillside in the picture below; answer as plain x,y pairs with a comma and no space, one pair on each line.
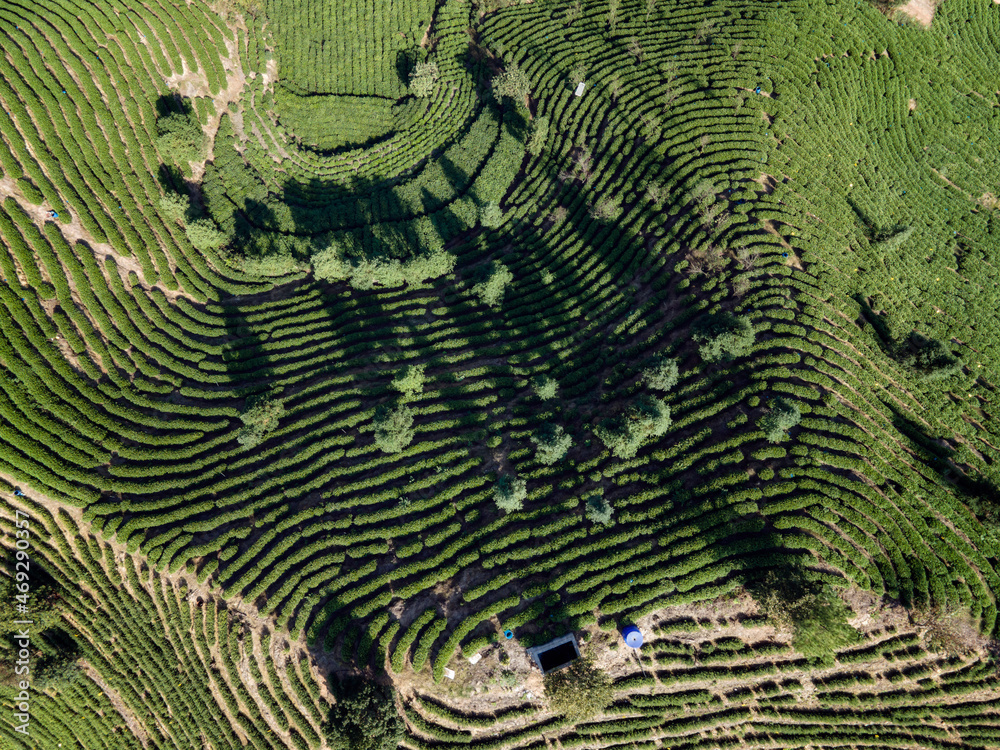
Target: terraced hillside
159,662
394,369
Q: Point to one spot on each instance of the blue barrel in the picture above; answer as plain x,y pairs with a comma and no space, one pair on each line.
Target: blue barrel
632,636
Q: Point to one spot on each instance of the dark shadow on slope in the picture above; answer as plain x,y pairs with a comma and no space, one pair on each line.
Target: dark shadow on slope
979,492
929,359
527,327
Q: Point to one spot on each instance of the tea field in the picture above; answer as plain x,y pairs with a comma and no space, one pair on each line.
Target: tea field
340,338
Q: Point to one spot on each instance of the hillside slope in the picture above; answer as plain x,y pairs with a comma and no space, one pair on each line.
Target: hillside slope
793,203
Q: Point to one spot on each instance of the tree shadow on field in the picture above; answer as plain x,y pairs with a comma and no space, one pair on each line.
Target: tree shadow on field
406,60
359,325
173,103
540,326
979,492
882,333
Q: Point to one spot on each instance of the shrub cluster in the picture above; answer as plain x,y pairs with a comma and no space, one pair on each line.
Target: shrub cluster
647,417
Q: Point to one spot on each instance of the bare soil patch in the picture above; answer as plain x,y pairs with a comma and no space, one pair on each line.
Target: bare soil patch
189,83
921,11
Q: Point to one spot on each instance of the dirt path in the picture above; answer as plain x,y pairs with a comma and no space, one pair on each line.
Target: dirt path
194,84
135,726
75,233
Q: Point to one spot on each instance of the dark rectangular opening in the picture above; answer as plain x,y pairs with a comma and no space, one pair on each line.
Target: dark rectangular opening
557,656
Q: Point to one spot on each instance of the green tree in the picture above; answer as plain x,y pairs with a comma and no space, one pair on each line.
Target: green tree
331,263
648,417
343,260
510,492
931,358
579,692
890,240
410,381
545,387
495,280
423,79
364,717
703,193
598,510
205,235
613,8
276,263
607,208
41,598
662,373
793,599
180,138
552,443
491,215
260,417
251,7
782,416
394,428
513,83
656,193
53,653
539,135
723,337
635,49
175,206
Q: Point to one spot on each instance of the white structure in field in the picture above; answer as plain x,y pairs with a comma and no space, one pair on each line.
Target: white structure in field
579,88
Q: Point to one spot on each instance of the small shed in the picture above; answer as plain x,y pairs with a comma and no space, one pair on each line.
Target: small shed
556,654
579,88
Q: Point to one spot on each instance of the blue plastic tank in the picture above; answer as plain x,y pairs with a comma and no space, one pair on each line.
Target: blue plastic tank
632,636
